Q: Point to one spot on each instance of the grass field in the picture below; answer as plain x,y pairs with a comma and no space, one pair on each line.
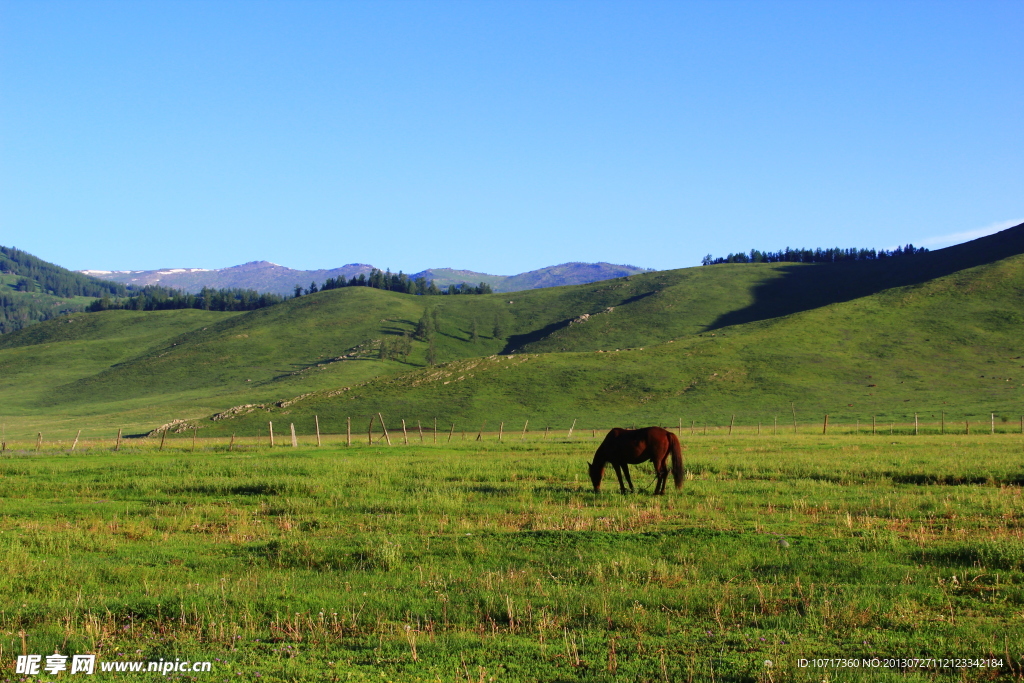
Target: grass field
479,561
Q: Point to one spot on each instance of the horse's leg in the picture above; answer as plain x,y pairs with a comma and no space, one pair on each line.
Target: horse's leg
618,473
629,479
662,473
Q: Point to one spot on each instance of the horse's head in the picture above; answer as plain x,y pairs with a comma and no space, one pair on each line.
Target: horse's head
596,473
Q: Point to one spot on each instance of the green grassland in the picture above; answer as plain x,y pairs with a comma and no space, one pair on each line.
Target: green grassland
480,561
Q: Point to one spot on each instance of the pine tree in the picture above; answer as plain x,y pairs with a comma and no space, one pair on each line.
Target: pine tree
499,331
474,333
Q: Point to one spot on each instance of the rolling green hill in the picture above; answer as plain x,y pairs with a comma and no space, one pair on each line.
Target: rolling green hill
60,352
748,339
954,344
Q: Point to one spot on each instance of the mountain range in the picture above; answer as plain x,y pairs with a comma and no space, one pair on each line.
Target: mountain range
264,276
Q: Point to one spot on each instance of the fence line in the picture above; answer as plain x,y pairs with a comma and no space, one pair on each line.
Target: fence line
829,428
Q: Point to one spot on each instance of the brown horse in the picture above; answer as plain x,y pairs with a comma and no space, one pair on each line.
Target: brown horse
625,447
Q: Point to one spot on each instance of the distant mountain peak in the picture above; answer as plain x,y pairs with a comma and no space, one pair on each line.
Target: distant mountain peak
266,276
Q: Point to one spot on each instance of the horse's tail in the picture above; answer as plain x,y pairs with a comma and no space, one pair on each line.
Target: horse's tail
677,459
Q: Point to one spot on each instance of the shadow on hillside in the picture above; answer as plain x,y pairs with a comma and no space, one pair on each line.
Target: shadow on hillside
518,341
804,287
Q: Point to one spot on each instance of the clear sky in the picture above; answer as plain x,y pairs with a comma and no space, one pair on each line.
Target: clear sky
502,136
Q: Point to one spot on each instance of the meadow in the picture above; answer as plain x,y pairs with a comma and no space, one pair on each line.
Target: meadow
484,560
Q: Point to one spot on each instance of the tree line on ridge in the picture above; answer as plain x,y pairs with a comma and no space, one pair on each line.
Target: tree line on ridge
395,282
833,255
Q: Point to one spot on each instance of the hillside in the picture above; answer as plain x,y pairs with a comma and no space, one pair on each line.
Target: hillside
774,333
954,344
35,360
33,290
264,276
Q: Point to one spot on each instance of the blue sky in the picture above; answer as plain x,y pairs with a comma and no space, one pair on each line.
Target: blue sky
502,136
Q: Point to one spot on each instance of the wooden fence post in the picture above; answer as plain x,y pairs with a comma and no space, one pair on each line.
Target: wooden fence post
381,418
117,445
348,431
369,431
435,431
316,421
732,421
794,417
915,424
824,428
419,426
449,433
270,430
232,444
967,426
295,441
501,426
993,423
775,426
942,424
679,432
759,429
480,434
527,424
546,432
76,439
195,430
163,435
872,424
39,440
571,428
405,434
693,425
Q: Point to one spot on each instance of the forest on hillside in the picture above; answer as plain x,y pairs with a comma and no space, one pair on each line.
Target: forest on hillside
33,290
157,298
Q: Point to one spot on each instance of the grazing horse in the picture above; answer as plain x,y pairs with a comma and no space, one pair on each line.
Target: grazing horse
625,447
